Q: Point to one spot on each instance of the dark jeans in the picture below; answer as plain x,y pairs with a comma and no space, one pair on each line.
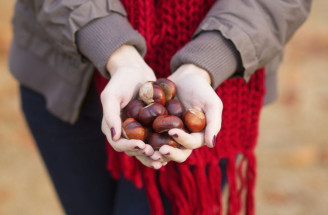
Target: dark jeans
75,157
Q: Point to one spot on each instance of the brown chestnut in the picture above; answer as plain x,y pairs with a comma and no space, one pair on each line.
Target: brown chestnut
133,108
150,92
166,122
132,129
168,87
174,107
157,140
149,113
194,119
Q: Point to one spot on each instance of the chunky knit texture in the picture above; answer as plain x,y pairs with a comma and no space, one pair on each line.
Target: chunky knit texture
193,187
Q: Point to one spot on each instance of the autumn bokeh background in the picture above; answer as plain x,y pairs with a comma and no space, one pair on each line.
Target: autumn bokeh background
292,149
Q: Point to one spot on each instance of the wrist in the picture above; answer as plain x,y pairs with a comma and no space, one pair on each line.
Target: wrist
187,70
127,56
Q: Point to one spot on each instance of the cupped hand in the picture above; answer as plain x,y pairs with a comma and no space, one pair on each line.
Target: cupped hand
194,90
128,72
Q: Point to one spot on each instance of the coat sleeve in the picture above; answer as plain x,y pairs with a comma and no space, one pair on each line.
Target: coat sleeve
256,29
92,28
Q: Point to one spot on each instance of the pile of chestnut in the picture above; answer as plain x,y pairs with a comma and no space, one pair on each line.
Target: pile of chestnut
155,112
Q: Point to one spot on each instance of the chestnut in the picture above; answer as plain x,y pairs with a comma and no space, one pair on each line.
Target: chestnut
166,122
157,140
150,92
174,107
168,87
132,129
149,113
133,108
194,119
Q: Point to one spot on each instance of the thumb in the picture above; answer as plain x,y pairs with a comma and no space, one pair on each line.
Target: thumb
112,118
213,124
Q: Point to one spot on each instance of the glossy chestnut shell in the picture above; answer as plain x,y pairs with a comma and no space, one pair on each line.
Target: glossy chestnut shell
150,92
166,122
157,140
168,87
175,108
149,113
133,108
132,129
194,120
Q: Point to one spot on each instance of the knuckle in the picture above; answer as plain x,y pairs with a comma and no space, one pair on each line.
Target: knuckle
218,103
215,105
108,96
181,160
103,129
219,127
107,119
130,154
117,148
103,96
109,139
189,145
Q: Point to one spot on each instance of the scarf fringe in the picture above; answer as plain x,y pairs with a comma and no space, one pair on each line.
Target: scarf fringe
251,179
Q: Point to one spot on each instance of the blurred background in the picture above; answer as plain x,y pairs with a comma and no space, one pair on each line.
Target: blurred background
292,150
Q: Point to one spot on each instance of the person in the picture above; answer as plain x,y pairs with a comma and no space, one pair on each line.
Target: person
57,45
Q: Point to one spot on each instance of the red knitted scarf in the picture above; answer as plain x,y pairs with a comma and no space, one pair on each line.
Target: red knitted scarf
167,25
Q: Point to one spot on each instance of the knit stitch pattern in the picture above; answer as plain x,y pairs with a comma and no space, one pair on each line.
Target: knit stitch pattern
193,187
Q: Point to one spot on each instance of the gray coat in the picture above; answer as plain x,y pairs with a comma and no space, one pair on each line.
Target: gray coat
55,47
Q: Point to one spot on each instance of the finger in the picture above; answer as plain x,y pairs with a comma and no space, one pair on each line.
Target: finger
149,162
112,114
104,128
175,154
130,147
213,113
125,145
135,152
147,151
158,157
189,141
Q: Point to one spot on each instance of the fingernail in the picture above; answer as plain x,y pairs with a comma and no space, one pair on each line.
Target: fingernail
168,153
214,141
175,135
112,131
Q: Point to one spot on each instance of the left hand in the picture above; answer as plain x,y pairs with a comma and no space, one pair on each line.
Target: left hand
194,91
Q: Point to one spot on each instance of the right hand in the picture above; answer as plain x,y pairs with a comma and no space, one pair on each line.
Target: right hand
128,72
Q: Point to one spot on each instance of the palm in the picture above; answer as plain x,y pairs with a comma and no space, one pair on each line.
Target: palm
194,91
